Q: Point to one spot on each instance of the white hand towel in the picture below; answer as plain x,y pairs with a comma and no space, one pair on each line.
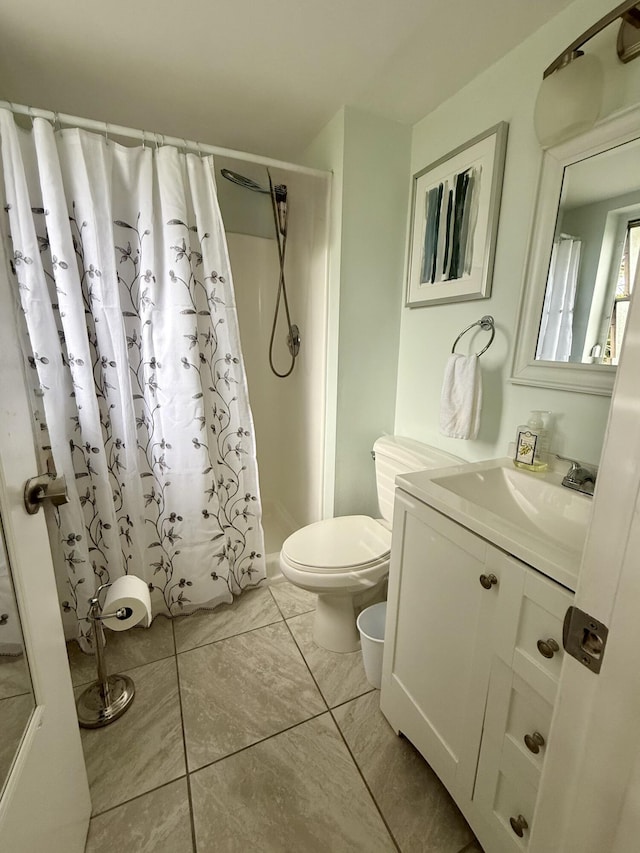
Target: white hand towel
461,399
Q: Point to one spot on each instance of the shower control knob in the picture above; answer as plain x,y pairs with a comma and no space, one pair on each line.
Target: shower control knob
488,581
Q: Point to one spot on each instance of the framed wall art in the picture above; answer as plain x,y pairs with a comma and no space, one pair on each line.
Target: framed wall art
454,222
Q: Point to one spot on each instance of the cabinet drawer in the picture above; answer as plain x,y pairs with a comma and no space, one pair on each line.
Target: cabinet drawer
544,605
516,711
502,794
529,717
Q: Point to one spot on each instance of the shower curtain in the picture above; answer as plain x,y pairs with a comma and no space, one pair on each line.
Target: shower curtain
122,271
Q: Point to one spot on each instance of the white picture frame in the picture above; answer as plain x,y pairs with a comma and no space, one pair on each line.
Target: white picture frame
455,206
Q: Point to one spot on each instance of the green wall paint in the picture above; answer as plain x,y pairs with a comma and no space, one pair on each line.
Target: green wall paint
370,209
505,92
371,333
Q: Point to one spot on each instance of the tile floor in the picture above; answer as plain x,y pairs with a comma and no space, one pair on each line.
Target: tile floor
245,736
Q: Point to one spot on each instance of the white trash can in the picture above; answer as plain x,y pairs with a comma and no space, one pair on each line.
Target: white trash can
371,627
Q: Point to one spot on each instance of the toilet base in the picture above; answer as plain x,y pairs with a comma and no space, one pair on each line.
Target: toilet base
334,626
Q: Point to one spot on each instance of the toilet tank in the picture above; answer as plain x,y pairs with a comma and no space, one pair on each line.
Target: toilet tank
397,455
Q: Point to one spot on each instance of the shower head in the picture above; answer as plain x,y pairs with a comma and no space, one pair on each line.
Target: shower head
280,191
278,195
241,181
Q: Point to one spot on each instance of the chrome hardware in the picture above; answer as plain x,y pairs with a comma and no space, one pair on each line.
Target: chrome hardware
548,648
584,638
110,695
488,581
294,340
518,825
487,324
578,477
37,490
534,742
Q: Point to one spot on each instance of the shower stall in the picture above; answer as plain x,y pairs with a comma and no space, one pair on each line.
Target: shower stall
289,411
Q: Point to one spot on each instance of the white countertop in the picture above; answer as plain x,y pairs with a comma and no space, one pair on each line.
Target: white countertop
530,515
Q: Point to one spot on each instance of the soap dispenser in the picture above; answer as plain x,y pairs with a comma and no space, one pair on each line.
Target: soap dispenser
532,443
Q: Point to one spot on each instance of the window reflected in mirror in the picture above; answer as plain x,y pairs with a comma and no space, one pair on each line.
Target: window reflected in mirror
624,288
594,259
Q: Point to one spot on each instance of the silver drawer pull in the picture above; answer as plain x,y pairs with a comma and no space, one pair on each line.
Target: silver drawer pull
488,581
534,742
518,825
548,648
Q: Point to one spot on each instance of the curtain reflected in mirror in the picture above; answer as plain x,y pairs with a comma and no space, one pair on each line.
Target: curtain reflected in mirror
16,695
593,261
556,327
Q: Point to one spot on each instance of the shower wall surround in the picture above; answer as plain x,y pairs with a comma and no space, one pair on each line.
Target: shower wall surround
289,413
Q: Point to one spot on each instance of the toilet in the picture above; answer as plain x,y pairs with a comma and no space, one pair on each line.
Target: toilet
345,560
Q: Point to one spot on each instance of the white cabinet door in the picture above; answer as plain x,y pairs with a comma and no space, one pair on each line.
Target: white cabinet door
45,805
441,624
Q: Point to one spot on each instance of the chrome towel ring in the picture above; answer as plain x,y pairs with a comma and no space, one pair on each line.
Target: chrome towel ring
486,323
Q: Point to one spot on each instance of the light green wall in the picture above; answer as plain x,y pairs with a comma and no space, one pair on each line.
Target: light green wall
369,223
327,152
378,348
505,92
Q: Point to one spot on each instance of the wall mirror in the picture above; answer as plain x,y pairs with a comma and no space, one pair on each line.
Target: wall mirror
582,260
16,694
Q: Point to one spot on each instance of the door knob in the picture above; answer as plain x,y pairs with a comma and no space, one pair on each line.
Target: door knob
37,490
488,581
547,648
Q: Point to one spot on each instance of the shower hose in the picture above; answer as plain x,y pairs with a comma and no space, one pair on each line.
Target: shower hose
293,339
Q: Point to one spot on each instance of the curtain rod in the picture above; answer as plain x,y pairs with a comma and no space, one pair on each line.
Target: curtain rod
156,138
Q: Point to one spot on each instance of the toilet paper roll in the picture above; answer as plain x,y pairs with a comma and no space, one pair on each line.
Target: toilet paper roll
128,602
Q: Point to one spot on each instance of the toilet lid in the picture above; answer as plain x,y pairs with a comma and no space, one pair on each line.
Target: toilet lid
336,544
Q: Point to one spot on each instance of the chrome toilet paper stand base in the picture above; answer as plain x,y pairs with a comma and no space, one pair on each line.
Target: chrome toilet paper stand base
109,697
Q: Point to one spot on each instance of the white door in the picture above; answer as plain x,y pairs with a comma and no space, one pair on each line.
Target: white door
589,798
45,804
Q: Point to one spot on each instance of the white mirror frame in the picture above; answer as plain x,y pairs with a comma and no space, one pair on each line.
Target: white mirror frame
586,378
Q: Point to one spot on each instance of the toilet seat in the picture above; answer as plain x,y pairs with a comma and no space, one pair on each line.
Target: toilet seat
338,545
345,561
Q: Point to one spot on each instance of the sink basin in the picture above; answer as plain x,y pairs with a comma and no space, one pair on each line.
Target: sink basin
538,505
530,515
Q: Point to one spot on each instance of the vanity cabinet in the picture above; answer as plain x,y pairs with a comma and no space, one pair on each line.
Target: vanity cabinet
472,659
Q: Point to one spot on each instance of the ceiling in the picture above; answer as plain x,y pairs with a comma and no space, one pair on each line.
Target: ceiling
607,175
262,76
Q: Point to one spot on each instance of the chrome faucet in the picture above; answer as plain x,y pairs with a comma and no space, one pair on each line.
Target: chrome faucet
579,477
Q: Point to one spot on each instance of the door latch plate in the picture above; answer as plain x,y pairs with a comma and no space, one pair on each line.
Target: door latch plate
584,638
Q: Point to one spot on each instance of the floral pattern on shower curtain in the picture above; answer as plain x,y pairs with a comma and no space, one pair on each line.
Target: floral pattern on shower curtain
122,271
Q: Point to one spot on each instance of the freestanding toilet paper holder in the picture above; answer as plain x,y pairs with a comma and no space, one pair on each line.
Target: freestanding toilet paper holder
109,697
